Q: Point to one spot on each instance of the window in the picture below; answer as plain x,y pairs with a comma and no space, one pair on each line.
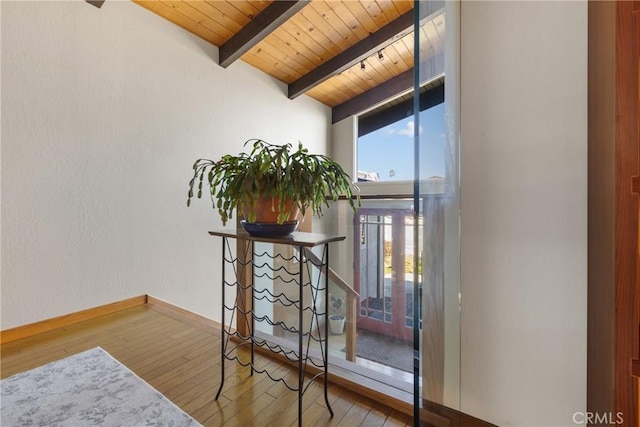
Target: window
385,146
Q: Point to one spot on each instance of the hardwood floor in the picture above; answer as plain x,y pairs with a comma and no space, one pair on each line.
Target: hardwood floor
183,363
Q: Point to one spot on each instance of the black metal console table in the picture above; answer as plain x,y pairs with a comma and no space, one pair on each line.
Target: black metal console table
244,266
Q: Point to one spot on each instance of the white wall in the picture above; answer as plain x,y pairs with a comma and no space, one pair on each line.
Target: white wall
524,211
103,113
339,217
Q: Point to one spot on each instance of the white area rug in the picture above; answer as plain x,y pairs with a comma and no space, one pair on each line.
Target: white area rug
87,389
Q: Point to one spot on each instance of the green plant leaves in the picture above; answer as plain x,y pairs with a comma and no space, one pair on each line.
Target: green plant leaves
310,180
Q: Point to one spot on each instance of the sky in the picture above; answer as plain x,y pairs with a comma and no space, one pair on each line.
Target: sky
390,152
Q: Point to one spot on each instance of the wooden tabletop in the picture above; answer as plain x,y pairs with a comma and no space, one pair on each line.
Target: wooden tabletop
297,238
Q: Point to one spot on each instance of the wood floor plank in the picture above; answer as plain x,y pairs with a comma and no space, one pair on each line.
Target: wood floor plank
160,376
312,414
282,403
65,331
203,405
205,414
152,353
290,414
334,392
245,388
377,416
17,366
397,419
340,408
357,413
189,383
248,415
235,406
183,362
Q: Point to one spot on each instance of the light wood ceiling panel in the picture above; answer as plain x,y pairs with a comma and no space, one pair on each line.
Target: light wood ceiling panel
323,29
350,20
364,19
170,14
316,32
214,21
398,58
318,29
249,8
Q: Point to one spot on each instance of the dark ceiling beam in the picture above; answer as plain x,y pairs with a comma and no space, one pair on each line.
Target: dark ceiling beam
396,85
96,3
378,118
386,35
375,42
429,69
258,28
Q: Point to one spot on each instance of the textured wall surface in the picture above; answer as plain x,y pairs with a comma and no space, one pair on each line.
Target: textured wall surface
524,211
103,113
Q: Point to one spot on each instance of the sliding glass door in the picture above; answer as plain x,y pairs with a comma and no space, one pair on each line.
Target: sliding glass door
436,290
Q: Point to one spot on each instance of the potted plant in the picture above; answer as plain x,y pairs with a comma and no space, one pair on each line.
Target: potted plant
271,184
337,317
336,323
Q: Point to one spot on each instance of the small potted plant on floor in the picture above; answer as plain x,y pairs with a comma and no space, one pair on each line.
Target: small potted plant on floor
270,185
337,317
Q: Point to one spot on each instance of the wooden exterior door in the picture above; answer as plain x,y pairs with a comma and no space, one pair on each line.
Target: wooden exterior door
386,297
635,188
614,186
627,214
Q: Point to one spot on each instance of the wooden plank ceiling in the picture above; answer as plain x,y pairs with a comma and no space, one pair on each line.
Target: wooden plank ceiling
339,52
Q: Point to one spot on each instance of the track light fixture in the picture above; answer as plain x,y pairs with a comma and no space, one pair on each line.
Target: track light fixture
363,65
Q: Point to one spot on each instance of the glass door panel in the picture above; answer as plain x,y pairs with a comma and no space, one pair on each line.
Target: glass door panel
436,200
